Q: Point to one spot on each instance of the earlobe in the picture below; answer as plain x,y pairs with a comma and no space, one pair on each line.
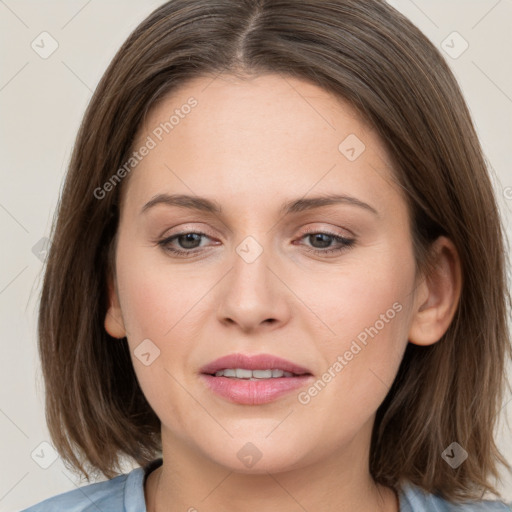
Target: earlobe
114,323
437,296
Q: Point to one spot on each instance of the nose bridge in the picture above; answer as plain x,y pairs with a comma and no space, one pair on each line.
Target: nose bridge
250,274
252,293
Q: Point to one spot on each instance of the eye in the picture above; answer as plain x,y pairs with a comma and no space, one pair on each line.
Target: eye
189,243
329,243
188,240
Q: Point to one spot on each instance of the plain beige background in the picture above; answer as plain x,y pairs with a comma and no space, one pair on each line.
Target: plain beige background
41,104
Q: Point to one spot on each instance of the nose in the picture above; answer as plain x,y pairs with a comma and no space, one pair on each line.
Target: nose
253,295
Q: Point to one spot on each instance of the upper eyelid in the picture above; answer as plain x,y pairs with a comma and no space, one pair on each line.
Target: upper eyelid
202,231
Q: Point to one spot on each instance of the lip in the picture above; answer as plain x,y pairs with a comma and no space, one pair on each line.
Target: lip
254,362
254,392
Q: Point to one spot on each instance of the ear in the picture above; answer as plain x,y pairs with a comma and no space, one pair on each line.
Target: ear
114,323
437,295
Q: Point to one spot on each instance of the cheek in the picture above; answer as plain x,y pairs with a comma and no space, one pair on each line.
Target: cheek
165,304
356,296
157,305
154,296
368,308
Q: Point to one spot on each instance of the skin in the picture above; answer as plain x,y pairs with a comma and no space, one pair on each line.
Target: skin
252,145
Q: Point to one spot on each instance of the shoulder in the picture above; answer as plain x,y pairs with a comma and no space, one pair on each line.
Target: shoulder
414,499
124,493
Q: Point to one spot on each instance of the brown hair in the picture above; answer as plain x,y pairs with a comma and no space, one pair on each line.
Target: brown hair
370,55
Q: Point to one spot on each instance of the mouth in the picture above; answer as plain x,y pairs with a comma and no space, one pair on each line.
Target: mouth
253,380
257,366
247,374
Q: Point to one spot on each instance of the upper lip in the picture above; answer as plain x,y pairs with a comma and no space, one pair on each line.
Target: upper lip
253,362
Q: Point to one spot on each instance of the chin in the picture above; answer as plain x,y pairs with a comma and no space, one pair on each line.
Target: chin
254,457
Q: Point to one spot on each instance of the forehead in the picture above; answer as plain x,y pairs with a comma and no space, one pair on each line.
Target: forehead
296,111
246,137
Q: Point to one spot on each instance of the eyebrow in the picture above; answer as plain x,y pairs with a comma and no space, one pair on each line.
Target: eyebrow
293,206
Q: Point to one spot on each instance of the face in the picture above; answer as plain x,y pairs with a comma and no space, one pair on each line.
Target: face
329,287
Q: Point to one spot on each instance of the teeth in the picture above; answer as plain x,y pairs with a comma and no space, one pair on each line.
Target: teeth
242,373
262,374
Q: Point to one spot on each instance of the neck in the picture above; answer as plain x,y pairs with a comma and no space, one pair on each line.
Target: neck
339,482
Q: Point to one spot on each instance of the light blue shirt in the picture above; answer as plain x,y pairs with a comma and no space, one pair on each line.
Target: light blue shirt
125,493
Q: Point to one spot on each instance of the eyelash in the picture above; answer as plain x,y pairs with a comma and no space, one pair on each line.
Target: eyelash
346,243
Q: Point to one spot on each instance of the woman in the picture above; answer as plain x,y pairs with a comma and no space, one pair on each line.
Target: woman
277,276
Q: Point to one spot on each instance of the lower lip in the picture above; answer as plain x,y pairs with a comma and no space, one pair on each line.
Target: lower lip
254,392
